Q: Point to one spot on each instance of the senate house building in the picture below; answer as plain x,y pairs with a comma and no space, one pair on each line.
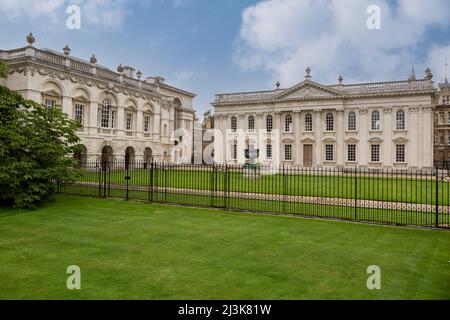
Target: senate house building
365,125
122,115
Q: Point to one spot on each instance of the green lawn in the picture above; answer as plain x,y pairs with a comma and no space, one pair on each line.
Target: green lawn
130,250
402,188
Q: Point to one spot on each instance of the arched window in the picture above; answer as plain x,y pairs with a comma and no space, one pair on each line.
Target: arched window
351,126
288,123
106,110
376,123
401,124
233,124
269,123
308,122
251,123
330,122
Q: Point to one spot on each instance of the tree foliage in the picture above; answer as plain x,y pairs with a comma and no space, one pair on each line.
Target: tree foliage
3,69
34,146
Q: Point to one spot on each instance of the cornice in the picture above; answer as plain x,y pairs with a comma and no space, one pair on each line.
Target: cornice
78,77
342,97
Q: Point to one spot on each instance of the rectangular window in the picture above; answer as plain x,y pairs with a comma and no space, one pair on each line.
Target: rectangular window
329,152
351,153
446,100
269,152
400,153
288,152
375,153
113,119
147,124
50,103
441,118
105,118
234,151
79,113
129,121
441,137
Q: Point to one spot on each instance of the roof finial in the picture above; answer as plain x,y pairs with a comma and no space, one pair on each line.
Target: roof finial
412,77
308,73
30,39
278,84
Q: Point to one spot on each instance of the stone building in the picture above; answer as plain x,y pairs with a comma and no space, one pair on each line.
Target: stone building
442,126
366,125
122,116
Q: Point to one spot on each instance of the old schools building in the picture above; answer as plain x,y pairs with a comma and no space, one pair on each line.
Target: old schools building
122,116
366,125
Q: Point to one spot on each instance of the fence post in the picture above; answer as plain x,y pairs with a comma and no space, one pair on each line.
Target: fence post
437,198
225,187
284,190
100,165
212,183
356,194
127,178
150,187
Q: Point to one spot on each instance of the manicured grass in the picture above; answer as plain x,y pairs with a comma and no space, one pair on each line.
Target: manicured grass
132,250
401,188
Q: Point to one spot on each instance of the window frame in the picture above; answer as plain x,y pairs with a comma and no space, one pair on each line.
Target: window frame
329,152
351,152
233,124
374,125
400,120
251,123
351,121
269,123
400,155
329,122
288,125
106,114
308,122
376,153
288,151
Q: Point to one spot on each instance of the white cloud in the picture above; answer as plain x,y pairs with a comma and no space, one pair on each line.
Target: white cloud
107,14
283,37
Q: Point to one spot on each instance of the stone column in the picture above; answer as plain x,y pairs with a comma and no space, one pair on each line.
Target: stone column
93,118
413,133
120,121
219,155
139,123
241,135
317,127
427,134
363,145
67,106
278,145
388,146
297,135
157,126
340,143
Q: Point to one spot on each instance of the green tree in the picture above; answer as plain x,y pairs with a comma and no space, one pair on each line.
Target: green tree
34,146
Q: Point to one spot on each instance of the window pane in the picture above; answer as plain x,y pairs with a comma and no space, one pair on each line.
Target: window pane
351,153
375,153
269,123
351,121
288,123
288,152
330,122
329,152
400,153
376,125
308,122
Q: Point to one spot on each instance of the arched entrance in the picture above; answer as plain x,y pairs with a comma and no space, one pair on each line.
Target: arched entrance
129,157
148,157
107,156
81,155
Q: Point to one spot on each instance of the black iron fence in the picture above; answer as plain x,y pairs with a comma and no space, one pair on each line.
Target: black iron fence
399,197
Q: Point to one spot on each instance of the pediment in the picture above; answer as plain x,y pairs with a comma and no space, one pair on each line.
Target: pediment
308,90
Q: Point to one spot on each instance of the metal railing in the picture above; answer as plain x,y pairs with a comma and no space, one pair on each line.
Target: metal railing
399,197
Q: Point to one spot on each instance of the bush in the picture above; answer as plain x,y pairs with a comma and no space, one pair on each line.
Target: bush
34,146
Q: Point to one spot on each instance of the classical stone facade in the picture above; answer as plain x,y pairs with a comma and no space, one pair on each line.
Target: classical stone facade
366,125
121,115
442,125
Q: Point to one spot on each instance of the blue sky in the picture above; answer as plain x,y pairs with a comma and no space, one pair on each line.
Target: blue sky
213,46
